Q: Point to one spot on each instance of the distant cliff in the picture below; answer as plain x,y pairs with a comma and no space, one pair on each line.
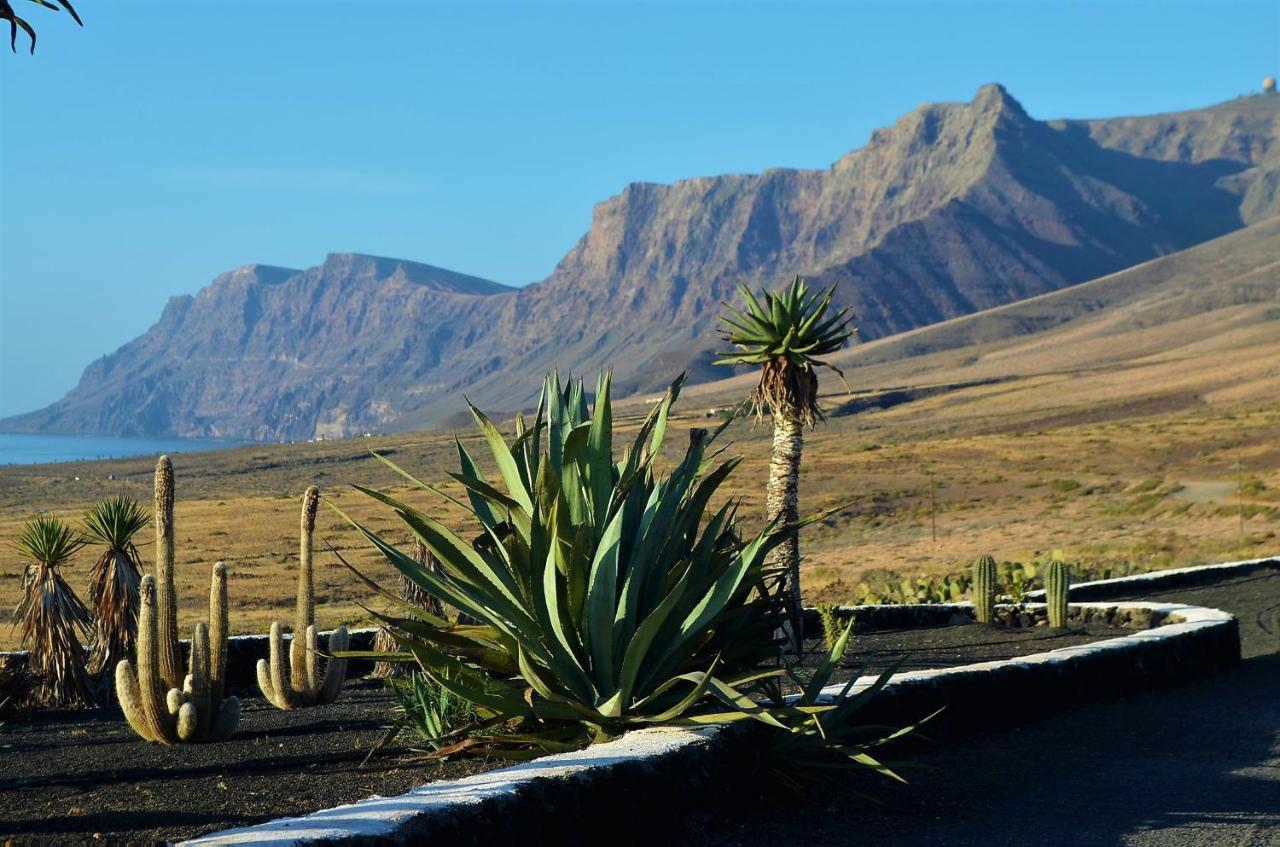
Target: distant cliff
953,209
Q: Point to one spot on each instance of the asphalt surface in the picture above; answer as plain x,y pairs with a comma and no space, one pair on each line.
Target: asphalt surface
1196,765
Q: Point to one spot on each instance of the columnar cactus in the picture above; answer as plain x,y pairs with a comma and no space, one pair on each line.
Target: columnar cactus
197,710
166,610
299,683
984,589
1057,584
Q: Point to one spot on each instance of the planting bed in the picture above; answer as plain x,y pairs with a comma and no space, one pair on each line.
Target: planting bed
72,776
66,777
961,643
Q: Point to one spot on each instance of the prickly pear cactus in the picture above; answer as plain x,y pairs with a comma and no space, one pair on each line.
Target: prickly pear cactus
984,589
1057,584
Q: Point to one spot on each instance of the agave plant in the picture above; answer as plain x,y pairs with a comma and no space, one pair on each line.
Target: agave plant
820,730
8,14
785,333
114,579
608,597
50,616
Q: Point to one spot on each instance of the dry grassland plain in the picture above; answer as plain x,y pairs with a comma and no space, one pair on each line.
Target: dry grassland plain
1020,467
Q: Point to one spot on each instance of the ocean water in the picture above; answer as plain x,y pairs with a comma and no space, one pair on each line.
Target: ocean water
43,449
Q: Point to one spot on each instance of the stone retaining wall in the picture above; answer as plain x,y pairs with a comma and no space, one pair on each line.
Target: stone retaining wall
244,651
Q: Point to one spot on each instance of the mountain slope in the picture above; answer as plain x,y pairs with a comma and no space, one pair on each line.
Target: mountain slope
1196,327
954,209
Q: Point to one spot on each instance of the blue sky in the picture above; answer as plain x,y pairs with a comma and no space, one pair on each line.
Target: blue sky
170,140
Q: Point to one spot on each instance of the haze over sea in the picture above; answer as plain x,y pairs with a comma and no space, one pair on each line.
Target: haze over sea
44,449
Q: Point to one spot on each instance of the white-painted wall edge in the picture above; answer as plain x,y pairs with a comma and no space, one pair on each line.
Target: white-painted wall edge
1180,619
381,816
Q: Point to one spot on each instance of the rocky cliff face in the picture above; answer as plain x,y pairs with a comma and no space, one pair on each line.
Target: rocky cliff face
955,208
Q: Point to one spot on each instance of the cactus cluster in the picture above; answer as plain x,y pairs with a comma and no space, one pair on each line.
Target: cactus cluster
160,702
293,680
984,589
1057,584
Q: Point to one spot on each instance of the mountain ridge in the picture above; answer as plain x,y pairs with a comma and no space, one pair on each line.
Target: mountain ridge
955,208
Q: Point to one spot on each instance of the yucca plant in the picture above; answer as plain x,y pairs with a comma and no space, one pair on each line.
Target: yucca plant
609,597
8,14
50,616
114,578
784,333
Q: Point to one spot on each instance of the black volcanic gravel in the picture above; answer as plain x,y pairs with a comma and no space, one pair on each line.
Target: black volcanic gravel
73,777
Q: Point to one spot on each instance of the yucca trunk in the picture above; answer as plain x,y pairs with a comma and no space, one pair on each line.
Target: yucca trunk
782,504
114,586
382,641
53,618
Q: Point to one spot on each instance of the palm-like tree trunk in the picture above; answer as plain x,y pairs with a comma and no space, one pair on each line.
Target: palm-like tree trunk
382,640
782,504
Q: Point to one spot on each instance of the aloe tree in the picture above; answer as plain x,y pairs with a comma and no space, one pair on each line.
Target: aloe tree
49,615
114,578
784,333
8,14
607,597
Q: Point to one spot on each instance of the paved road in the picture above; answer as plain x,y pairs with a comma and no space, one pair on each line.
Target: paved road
1197,765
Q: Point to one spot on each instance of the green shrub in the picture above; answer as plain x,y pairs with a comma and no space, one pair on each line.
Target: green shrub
430,713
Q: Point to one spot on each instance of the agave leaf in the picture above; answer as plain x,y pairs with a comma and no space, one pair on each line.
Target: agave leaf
829,662
465,596
600,452
638,645
471,685
602,604
454,555
702,682
563,653
507,467
426,486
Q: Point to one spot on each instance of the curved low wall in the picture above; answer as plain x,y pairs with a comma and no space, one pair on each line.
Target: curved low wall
1189,642
675,770
1175,578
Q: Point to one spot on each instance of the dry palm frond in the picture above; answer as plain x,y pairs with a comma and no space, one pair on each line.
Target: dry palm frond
383,642
15,686
785,332
787,390
114,579
50,615
15,22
